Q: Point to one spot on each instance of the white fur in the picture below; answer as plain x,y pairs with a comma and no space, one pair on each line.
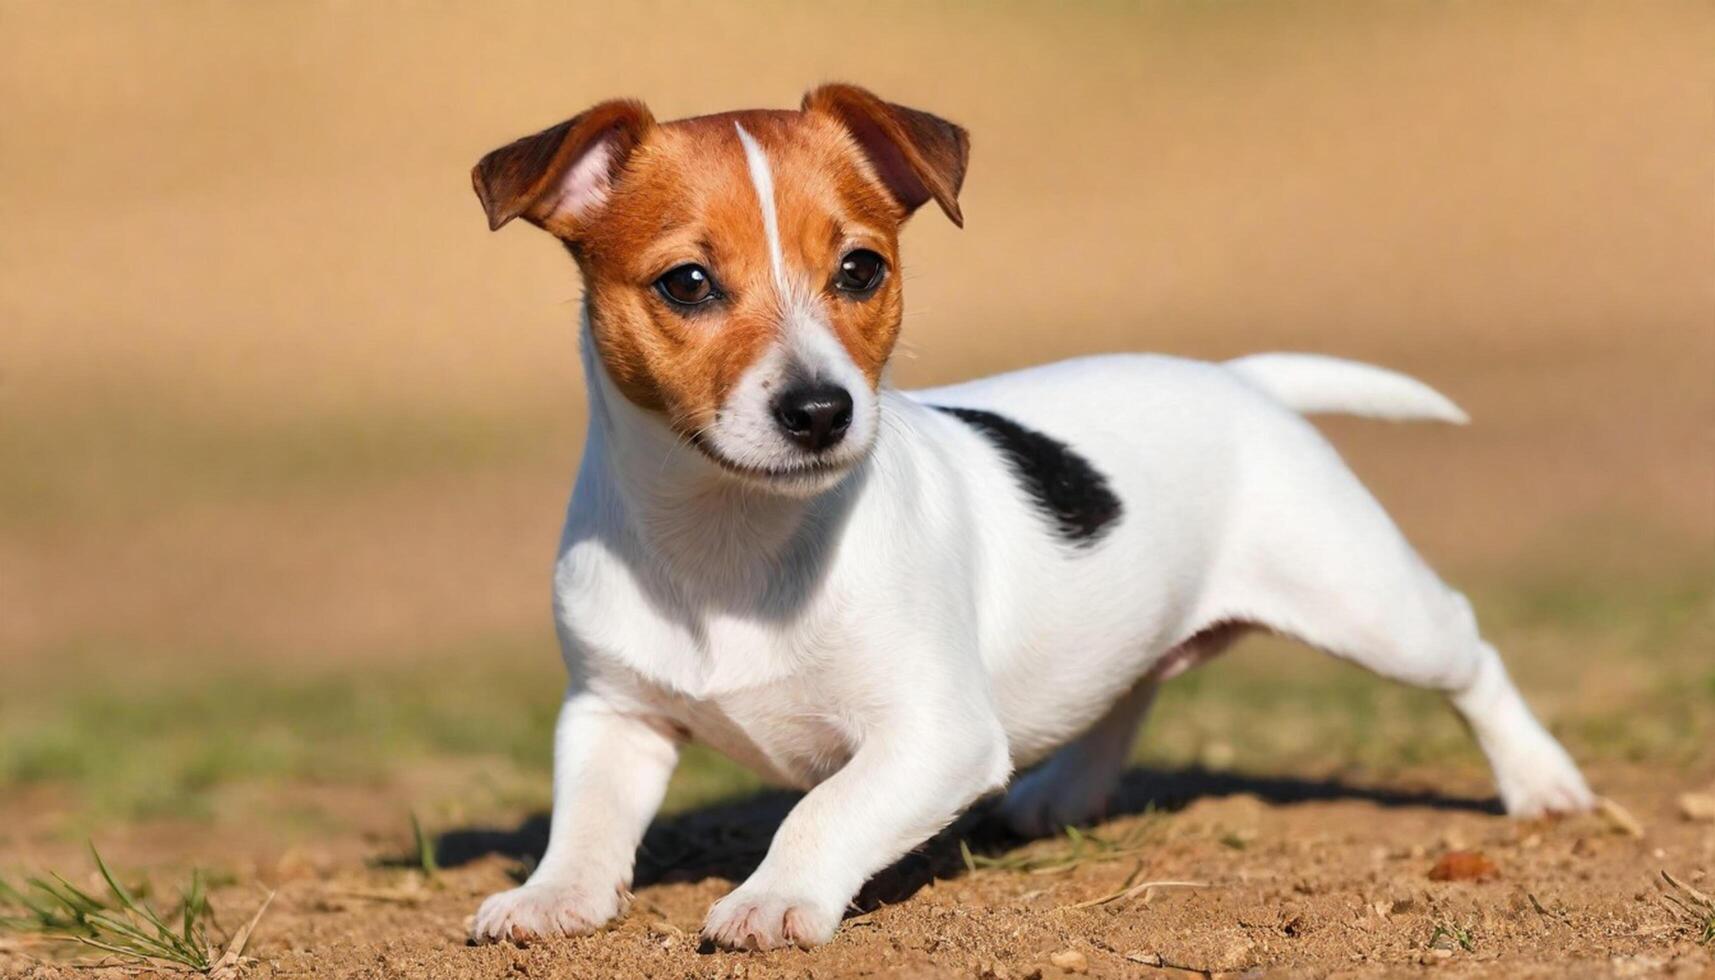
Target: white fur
1310,384
762,179
900,642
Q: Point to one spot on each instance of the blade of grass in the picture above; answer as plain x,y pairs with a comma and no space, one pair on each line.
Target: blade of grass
124,951
165,944
127,926
425,848
195,907
21,898
114,922
79,899
126,901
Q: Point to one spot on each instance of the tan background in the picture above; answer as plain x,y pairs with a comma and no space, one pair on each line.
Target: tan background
267,386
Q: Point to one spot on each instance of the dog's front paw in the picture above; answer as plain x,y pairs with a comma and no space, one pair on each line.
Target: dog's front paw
541,910
759,919
1537,778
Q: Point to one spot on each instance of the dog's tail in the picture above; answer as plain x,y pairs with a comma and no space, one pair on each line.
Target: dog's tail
1310,384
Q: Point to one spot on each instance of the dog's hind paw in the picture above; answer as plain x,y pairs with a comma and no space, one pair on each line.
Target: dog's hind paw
542,910
1045,802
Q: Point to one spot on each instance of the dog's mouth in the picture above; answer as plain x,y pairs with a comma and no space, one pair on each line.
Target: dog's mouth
808,472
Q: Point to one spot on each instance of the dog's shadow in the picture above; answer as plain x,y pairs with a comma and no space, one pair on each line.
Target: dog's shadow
728,840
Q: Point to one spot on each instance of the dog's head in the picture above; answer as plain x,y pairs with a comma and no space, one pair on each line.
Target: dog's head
742,269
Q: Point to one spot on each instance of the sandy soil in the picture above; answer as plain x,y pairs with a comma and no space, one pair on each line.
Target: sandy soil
1293,877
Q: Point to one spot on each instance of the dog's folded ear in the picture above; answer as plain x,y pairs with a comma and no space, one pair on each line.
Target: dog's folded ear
560,177
918,156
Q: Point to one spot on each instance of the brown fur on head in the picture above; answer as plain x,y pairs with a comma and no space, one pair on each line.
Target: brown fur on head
635,199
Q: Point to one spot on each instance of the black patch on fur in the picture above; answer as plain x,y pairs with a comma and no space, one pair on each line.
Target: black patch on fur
1068,490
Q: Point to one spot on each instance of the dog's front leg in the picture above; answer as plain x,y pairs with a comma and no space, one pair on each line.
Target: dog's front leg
900,787
610,771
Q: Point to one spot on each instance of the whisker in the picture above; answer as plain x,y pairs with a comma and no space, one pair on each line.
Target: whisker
683,439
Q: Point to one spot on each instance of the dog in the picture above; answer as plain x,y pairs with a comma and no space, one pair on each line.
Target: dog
897,600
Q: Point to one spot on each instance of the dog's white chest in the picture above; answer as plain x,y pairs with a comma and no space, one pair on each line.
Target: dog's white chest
736,683
783,732
611,614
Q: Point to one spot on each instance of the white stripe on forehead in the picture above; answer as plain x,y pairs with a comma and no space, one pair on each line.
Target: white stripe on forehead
762,179
808,343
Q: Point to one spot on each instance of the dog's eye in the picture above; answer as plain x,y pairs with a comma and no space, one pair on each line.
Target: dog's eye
860,271
686,285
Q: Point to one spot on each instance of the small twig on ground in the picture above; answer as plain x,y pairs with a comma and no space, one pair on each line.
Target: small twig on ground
1131,891
394,896
1620,817
1692,905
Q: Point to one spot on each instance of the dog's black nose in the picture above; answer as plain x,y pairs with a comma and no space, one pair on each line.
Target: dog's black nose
815,415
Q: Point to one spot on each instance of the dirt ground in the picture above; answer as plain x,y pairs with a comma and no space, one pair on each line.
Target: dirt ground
285,438
1275,877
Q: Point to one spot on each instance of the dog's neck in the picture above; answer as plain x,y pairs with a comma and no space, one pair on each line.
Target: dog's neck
701,523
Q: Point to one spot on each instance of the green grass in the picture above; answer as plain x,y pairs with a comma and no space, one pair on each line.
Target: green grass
141,743
128,739
1446,935
143,746
123,923
423,844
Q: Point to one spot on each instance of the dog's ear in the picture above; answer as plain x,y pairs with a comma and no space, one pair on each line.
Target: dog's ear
561,177
917,155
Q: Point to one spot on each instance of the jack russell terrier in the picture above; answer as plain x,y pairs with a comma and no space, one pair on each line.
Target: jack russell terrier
896,600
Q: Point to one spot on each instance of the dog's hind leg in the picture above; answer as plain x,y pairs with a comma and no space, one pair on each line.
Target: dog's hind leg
1076,783
1322,562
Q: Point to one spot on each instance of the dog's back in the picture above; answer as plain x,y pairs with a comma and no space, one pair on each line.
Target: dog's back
1174,460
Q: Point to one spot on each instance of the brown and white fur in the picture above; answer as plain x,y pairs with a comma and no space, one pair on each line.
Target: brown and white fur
895,600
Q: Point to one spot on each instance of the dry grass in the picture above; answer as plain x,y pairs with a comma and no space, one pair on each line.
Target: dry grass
1075,850
1692,906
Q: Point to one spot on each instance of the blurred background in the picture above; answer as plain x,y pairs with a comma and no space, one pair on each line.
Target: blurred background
286,434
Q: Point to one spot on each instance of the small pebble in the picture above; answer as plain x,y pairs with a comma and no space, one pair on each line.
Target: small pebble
1463,866
1071,961
1697,806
